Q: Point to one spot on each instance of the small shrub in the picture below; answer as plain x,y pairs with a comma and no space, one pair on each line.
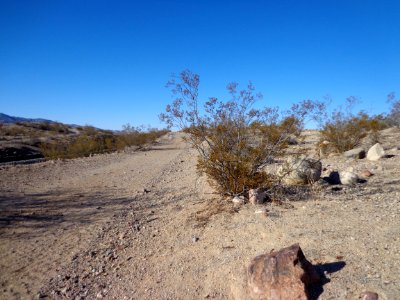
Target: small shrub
52,127
89,130
138,136
345,131
59,128
53,150
234,140
393,117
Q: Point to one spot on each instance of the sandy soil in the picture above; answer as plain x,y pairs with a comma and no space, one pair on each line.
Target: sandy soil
144,225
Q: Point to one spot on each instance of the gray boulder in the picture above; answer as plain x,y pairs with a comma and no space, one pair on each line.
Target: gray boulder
357,153
300,171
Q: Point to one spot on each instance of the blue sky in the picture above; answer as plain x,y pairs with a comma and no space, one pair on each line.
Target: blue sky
105,63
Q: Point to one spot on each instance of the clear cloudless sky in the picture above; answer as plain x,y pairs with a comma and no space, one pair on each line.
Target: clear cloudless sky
105,63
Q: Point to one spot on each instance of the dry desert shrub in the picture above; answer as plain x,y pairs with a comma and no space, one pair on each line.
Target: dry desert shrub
34,129
13,130
52,127
81,146
139,136
345,130
393,118
234,140
93,141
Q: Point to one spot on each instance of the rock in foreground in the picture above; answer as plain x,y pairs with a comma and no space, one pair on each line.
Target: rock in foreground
281,275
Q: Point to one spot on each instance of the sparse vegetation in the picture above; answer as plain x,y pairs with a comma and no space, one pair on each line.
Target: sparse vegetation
57,140
393,117
32,129
92,141
234,140
12,130
345,130
54,127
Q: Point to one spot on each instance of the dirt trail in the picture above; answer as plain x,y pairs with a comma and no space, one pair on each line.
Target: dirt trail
49,212
85,229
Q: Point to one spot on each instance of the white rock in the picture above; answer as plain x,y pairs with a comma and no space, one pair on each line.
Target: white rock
238,200
375,152
263,210
347,177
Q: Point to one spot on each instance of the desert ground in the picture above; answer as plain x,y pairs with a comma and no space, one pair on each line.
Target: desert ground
145,225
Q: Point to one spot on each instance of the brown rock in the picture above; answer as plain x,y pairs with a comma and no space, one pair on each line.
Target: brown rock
281,275
366,173
369,296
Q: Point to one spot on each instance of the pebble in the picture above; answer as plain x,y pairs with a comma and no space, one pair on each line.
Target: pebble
238,200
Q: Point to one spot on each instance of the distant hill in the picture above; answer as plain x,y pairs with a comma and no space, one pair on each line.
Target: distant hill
6,119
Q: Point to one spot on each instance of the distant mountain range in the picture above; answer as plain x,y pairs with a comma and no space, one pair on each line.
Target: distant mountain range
11,119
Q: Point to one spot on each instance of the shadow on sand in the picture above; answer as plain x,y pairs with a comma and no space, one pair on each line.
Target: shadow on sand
316,290
30,215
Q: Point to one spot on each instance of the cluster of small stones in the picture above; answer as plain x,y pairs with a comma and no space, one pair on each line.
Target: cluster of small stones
348,177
